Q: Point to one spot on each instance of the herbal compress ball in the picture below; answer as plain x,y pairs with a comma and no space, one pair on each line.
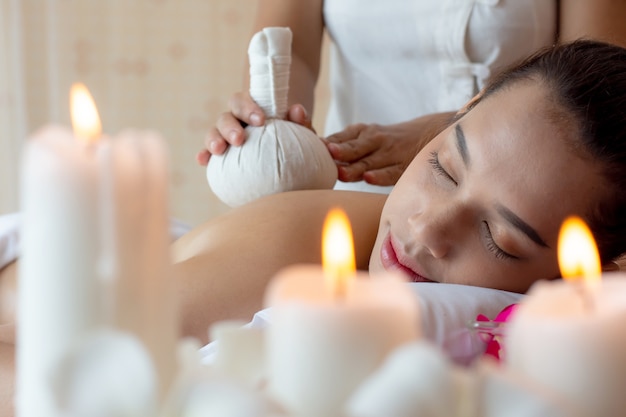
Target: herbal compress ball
281,155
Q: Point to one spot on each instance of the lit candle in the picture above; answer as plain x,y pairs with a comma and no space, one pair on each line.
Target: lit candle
568,337
58,289
325,339
94,223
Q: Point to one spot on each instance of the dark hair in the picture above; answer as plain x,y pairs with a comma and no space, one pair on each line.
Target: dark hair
588,79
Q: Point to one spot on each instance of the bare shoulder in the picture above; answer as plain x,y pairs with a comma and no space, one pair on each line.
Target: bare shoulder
292,219
316,203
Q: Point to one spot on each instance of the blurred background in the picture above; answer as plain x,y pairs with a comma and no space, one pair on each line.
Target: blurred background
166,65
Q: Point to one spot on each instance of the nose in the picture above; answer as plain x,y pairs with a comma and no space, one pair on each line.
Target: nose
438,229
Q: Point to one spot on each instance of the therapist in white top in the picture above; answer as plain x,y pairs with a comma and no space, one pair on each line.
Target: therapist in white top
399,69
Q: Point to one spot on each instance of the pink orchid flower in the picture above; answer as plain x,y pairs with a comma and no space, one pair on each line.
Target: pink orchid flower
493,331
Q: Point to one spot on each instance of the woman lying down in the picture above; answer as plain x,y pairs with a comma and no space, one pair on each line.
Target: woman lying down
481,205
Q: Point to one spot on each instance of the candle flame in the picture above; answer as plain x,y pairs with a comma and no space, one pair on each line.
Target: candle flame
338,251
85,119
577,251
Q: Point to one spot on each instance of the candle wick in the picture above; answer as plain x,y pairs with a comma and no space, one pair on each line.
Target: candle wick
586,296
339,287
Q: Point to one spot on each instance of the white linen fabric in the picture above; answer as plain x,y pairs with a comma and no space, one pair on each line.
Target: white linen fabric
446,311
394,60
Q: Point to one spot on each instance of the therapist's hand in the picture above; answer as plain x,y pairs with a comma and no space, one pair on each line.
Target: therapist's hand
229,129
374,153
379,154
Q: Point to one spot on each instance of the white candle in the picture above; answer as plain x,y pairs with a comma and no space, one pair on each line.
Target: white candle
58,291
95,212
419,380
416,379
240,353
570,339
135,262
322,344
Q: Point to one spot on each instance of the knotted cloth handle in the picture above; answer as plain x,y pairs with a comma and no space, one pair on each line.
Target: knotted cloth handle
269,54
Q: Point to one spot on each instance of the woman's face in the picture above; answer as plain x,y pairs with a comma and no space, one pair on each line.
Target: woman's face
482,204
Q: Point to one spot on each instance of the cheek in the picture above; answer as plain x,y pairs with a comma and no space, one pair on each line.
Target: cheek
517,277
413,186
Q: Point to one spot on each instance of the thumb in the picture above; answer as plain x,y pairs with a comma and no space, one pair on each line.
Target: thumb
298,114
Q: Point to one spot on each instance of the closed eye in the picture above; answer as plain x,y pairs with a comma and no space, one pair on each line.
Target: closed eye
491,244
434,162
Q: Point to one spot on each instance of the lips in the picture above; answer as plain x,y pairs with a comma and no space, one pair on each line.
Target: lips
390,261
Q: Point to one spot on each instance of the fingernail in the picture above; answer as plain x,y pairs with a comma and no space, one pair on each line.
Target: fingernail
333,149
233,136
255,118
213,146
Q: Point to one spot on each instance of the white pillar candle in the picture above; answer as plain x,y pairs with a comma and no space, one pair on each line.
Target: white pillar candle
106,374
94,212
58,290
568,336
331,327
322,343
416,379
240,352
556,339
135,262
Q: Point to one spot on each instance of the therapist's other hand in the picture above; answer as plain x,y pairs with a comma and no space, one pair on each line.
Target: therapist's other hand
229,129
377,154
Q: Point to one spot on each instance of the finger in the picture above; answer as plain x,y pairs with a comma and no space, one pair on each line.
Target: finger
245,109
347,134
353,172
214,142
351,145
228,129
298,114
345,174
203,157
385,176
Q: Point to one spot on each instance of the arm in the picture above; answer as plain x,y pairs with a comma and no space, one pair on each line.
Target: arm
598,19
305,20
224,265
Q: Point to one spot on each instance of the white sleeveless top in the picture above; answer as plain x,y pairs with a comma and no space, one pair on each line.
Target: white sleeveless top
394,60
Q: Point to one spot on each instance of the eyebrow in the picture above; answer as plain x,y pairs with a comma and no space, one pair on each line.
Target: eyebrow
506,213
521,225
461,144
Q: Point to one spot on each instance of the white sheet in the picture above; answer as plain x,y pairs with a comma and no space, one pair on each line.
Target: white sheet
446,311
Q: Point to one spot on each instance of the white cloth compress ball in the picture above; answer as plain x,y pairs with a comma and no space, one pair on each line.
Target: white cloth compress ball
280,156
